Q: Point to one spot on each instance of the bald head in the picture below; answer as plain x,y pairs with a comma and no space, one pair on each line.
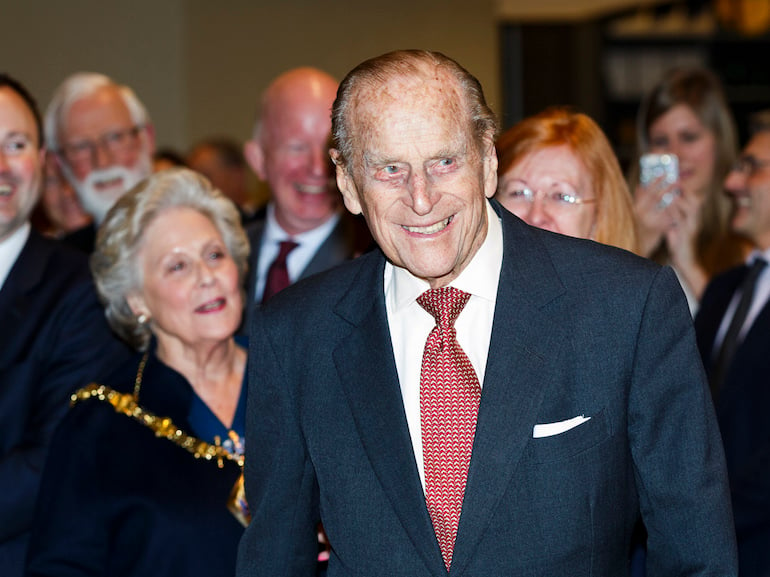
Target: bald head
289,149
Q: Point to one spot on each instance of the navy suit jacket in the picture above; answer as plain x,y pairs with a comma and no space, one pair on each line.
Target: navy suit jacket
742,406
348,239
53,340
82,239
579,329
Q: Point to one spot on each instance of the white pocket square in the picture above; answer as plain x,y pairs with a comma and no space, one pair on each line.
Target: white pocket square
551,429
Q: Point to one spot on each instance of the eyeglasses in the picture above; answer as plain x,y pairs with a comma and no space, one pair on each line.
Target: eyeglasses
557,199
749,164
116,143
16,144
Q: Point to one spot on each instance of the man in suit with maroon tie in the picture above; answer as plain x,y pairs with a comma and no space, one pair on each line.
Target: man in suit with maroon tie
479,397
733,328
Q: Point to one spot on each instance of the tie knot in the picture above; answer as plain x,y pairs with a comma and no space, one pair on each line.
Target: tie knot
284,248
445,304
757,267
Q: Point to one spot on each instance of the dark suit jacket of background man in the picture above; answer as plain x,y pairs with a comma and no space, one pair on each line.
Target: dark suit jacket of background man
348,239
579,329
743,412
53,340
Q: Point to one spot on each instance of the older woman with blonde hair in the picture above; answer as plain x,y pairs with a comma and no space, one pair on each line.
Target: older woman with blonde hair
144,474
557,171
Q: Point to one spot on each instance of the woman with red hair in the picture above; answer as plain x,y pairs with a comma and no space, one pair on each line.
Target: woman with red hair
557,171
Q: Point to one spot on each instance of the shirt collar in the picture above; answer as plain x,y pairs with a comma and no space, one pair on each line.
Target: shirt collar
756,254
11,248
274,233
479,278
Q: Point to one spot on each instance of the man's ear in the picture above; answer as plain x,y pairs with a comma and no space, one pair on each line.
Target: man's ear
255,156
489,159
345,183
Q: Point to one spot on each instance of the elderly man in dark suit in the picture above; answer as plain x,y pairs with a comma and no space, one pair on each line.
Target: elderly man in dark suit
53,336
304,229
480,398
733,328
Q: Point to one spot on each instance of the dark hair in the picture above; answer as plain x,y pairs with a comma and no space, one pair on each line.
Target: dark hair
376,71
759,122
11,83
229,151
169,155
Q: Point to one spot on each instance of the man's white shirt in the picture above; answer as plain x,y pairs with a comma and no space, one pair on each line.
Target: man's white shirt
10,249
410,324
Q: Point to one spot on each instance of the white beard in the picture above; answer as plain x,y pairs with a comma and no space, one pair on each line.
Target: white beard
97,196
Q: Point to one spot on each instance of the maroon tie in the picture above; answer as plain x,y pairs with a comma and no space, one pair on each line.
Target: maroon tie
277,274
449,405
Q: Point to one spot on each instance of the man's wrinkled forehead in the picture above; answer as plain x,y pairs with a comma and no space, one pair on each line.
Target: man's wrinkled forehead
431,93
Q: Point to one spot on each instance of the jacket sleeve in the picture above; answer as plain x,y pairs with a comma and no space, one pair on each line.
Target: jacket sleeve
675,443
281,486
73,348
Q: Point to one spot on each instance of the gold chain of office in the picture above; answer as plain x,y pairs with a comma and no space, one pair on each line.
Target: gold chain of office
163,427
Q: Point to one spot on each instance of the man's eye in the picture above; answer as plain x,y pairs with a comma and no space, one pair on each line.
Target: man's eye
446,162
297,148
216,255
15,145
391,169
114,137
79,147
177,266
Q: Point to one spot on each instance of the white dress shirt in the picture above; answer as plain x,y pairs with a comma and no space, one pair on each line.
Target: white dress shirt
309,242
10,249
758,302
410,324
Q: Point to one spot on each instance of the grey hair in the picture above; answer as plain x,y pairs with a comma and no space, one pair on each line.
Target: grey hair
80,85
377,71
114,263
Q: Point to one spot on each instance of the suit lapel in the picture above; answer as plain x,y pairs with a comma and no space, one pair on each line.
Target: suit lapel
367,371
713,310
334,250
522,351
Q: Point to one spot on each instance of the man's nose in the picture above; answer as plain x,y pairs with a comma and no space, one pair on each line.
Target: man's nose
320,163
101,156
421,194
735,181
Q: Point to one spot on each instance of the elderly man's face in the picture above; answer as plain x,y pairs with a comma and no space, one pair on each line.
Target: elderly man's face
20,162
419,176
104,152
292,155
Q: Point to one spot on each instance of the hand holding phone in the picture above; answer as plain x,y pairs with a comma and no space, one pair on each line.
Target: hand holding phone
663,168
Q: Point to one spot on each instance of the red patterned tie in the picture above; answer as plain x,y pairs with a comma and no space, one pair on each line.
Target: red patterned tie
449,405
277,274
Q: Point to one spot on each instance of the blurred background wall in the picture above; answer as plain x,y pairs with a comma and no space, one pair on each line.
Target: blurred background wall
199,66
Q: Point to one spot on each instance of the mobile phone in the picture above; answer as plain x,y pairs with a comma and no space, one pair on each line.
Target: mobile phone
653,166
